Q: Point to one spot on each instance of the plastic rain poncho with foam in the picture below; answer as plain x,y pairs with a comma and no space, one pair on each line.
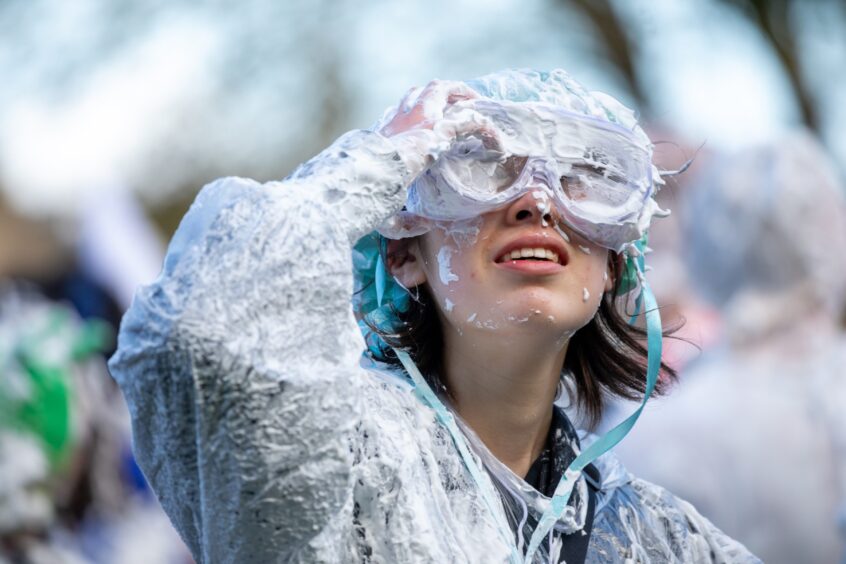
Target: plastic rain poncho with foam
755,436
265,438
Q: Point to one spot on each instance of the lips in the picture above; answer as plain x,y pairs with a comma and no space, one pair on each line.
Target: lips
537,249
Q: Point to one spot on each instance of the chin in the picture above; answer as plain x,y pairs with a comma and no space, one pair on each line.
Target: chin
536,317
553,311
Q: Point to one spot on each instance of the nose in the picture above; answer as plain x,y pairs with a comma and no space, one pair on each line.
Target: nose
528,209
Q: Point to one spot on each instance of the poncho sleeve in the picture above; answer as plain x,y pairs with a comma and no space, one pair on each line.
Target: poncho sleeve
240,363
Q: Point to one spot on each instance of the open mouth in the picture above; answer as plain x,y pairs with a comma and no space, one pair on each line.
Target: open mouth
533,253
530,254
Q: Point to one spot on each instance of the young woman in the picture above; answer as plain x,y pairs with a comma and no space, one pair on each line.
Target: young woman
490,288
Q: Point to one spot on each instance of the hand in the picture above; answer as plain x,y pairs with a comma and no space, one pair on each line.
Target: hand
428,121
423,108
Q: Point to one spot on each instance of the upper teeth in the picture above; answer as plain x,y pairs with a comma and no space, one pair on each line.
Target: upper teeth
528,252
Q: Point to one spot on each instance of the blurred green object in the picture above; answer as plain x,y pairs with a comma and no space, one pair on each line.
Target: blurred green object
42,361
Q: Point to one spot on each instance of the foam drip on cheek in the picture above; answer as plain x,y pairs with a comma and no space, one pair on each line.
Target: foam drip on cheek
585,250
444,258
448,305
585,295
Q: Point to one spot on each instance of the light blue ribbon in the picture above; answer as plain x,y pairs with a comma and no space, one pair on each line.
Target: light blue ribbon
605,443
381,273
612,437
447,419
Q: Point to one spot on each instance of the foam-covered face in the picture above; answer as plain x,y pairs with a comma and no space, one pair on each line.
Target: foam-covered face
510,270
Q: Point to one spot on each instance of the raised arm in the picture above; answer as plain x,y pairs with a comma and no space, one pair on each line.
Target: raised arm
240,363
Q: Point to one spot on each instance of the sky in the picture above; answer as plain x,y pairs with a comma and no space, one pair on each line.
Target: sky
155,97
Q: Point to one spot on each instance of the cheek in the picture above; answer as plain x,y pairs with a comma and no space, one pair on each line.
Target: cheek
445,267
453,275
594,269
451,256
587,284
466,297
449,271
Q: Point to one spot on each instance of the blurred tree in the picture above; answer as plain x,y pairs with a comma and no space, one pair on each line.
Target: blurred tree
267,89
777,21
260,85
619,42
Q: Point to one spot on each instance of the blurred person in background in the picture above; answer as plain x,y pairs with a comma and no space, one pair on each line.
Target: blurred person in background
44,353
69,489
755,436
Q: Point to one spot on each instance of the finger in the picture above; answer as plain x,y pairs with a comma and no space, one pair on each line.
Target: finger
411,98
448,87
423,107
457,97
438,96
465,121
444,93
460,91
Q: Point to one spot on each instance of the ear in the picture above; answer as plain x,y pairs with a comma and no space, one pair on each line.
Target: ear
405,263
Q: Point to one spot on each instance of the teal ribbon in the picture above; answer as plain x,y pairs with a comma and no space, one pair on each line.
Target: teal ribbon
377,296
565,487
612,437
424,392
638,306
632,276
380,279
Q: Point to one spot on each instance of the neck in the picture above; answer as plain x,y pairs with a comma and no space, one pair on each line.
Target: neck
503,386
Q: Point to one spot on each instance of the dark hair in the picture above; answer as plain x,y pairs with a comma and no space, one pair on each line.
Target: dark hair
606,357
